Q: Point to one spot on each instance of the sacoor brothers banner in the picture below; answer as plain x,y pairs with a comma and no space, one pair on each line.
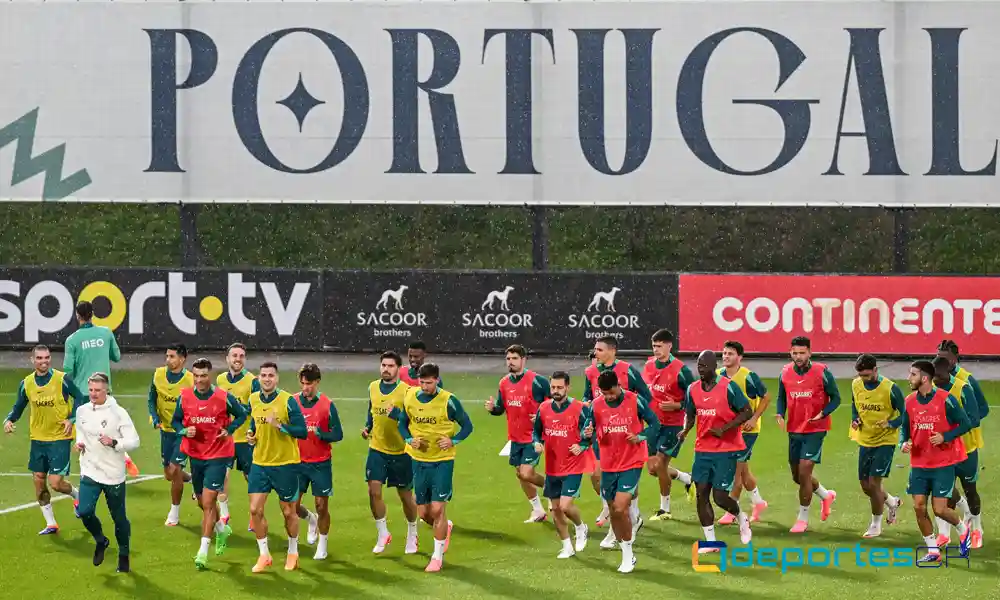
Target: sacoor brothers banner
725,103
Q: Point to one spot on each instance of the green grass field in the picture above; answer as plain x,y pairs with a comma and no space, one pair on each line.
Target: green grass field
493,554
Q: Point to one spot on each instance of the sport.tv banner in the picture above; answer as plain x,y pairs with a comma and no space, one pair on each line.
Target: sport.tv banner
841,314
487,311
150,308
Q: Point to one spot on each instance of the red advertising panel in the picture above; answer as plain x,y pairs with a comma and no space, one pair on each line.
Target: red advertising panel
846,314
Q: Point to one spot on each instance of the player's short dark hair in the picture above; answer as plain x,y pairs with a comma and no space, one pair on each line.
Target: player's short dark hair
85,310
310,372
865,362
608,340
517,349
607,380
801,340
180,349
736,346
202,363
268,365
393,356
560,375
664,336
924,366
941,364
236,345
418,345
948,346
429,371
40,348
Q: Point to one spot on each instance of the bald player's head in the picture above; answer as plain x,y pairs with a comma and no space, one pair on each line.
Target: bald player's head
707,365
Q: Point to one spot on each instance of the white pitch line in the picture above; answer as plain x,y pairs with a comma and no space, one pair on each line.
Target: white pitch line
64,497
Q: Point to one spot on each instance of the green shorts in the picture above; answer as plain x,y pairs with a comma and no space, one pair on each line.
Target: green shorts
283,479
875,462
805,446
393,470
170,449
318,475
523,454
715,468
666,442
557,486
51,458
968,469
432,481
243,458
744,455
209,474
939,483
622,482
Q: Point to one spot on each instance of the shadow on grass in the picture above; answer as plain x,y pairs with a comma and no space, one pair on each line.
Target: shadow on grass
495,584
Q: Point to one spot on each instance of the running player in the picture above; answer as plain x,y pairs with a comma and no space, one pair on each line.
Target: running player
316,469
205,419
427,423
933,453
717,406
104,433
667,378
558,431
239,382
808,391
519,395
416,355
277,425
388,463
619,416
53,400
755,392
162,402
91,349
967,470
629,379
877,406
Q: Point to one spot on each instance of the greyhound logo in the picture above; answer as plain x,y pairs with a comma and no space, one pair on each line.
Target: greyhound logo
500,296
500,325
396,295
389,318
601,317
607,297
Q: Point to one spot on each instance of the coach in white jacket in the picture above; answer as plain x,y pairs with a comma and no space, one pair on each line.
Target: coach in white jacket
104,433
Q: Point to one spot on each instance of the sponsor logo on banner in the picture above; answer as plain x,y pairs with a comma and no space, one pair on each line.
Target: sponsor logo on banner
390,319
601,318
841,313
47,306
495,319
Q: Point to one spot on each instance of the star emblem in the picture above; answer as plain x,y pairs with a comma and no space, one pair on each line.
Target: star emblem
300,102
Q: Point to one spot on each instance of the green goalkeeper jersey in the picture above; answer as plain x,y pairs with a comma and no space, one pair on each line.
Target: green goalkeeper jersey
91,349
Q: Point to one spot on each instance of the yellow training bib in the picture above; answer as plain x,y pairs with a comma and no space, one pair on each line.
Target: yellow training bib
384,435
274,448
429,421
969,439
976,435
241,390
874,406
740,378
167,395
49,408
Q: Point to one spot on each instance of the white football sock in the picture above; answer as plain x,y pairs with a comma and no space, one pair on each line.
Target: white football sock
803,513
293,545
665,503
977,522
536,504
755,496
75,493
262,546
944,527
822,492
321,547
383,529
684,478
50,516
963,505
931,543
438,550
224,509
204,545
709,533
411,529
175,512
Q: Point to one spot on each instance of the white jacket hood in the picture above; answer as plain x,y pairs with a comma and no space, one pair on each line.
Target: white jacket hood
109,403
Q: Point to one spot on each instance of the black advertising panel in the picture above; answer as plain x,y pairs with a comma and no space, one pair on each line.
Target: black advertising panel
583,307
451,312
149,308
473,312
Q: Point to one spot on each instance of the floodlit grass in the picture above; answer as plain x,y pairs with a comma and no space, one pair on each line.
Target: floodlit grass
493,554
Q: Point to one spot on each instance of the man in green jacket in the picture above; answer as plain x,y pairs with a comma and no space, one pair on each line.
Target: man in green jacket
91,349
